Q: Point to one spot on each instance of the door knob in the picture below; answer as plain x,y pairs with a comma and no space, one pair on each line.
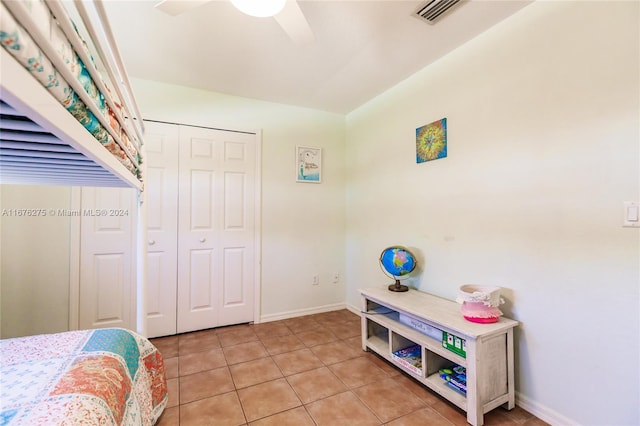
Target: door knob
202,240
152,242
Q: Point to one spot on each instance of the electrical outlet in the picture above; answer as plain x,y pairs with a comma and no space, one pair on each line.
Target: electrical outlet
316,279
336,277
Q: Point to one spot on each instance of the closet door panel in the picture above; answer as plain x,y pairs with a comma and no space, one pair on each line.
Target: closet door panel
202,204
233,283
238,229
234,201
107,256
110,286
154,288
162,227
202,281
199,200
217,196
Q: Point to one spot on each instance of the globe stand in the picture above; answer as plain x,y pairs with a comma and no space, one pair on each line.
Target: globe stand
398,287
397,262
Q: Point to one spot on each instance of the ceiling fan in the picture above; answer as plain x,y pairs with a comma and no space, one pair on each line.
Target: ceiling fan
286,12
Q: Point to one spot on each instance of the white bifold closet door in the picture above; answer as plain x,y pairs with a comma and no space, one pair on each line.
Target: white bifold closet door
201,187
107,290
161,143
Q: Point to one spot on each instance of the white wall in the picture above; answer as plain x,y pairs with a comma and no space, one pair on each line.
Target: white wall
543,148
302,224
34,267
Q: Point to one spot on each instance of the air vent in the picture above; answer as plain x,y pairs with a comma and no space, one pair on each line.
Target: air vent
434,10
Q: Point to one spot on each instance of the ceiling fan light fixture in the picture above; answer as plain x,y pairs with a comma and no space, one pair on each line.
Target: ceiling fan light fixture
259,8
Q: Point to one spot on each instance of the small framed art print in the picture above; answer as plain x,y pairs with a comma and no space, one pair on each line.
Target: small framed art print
431,141
308,164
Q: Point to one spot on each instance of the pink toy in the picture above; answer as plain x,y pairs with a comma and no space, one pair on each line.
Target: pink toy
480,303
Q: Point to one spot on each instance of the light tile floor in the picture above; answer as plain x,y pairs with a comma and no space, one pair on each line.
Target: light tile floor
309,370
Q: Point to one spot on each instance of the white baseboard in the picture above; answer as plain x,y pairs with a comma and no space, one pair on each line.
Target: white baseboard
302,312
354,309
543,412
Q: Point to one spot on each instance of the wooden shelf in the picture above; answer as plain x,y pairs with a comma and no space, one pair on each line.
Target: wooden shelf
410,333
489,347
438,385
378,344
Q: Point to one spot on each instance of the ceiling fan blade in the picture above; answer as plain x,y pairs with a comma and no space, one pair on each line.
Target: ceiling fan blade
293,22
177,7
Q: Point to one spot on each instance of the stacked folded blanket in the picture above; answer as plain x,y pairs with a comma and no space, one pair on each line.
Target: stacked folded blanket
21,45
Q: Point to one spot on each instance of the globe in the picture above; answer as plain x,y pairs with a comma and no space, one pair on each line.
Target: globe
397,262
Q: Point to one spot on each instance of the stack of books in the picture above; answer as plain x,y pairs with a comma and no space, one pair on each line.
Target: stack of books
455,377
410,358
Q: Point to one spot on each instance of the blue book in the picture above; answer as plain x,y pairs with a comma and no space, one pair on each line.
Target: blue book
455,377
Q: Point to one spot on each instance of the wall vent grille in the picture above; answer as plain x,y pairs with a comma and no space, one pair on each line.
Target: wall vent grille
434,10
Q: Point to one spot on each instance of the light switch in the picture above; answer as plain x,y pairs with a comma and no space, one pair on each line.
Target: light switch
631,214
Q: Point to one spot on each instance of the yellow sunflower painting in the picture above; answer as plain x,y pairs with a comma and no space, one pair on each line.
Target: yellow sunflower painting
431,141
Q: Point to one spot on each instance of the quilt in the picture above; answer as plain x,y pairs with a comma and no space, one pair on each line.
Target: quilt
107,376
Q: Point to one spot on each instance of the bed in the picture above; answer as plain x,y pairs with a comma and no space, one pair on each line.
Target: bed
68,114
68,117
108,376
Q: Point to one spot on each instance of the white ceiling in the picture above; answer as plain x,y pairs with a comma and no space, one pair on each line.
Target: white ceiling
361,49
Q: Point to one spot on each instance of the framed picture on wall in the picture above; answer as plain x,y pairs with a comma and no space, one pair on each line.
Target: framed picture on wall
431,141
308,164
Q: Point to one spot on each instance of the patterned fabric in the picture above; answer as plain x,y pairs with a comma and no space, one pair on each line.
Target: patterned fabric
17,41
90,377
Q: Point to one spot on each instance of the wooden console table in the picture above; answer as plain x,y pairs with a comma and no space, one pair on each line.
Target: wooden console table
393,321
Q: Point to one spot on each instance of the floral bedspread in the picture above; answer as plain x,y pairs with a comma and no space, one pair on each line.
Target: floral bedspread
89,377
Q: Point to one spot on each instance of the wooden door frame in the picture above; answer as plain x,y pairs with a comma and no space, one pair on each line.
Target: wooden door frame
74,260
136,296
257,263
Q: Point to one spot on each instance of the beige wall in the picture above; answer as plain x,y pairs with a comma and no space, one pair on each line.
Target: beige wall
543,121
34,261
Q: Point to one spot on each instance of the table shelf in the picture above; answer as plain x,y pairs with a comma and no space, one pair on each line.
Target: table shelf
489,347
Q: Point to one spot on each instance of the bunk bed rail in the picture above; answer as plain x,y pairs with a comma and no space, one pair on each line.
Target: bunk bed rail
57,133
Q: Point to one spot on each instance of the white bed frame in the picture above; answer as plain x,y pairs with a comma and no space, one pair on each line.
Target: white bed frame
42,144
